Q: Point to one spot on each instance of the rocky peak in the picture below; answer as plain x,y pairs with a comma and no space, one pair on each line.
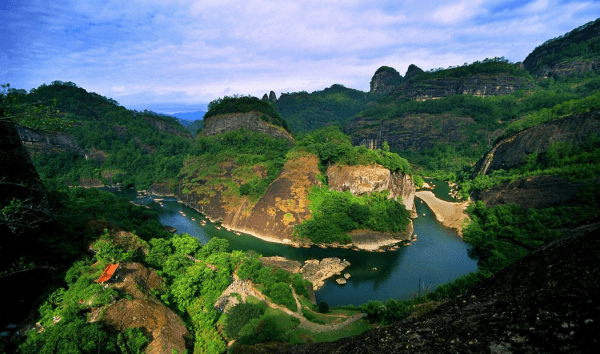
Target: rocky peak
412,71
271,97
385,80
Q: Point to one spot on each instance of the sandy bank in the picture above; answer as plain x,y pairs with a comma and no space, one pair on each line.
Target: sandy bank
450,214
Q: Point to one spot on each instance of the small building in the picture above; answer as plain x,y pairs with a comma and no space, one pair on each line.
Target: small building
109,271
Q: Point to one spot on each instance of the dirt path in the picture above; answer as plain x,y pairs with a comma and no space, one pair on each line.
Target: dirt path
450,214
247,289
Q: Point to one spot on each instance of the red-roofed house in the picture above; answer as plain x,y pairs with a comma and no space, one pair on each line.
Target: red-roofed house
108,273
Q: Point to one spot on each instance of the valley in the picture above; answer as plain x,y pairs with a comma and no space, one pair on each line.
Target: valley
441,200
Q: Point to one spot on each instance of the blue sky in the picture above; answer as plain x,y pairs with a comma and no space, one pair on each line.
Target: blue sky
177,55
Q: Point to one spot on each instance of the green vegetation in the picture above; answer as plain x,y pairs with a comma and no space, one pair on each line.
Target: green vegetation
335,105
334,147
335,214
135,149
244,104
239,163
493,66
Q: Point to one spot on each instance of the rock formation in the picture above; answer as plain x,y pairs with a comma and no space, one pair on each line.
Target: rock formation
251,121
273,217
409,132
532,192
385,80
40,142
360,180
511,152
312,270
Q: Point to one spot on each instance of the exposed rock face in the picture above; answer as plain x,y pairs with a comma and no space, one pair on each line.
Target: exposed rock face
360,180
317,271
163,126
511,152
412,71
312,270
167,331
543,303
476,85
554,47
272,97
37,142
251,121
409,132
532,192
576,67
384,81
274,216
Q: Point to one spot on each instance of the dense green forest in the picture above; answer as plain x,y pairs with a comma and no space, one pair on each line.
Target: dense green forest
136,151
334,106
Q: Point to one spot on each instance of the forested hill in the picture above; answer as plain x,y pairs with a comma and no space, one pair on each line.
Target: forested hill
576,50
111,143
334,106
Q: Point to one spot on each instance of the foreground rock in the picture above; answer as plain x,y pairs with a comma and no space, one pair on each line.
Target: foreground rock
546,302
166,329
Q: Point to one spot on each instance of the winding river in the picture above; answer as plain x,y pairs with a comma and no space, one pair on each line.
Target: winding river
438,256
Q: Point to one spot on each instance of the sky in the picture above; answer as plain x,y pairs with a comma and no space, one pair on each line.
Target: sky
177,55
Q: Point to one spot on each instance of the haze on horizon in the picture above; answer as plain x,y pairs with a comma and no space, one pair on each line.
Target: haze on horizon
177,55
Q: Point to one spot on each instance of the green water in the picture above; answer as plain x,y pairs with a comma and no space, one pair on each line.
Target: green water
437,257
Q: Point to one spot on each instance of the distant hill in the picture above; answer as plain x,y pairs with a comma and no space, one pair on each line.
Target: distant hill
187,118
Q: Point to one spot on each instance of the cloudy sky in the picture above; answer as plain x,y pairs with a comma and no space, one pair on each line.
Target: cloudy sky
176,55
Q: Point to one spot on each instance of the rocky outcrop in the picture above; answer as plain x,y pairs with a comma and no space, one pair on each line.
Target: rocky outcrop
273,217
40,142
360,180
575,67
385,80
547,56
251,121
476,85
532,192
545,302
409,132
312,270
512,152
166,331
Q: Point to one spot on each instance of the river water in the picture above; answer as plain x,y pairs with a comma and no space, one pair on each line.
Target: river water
437,257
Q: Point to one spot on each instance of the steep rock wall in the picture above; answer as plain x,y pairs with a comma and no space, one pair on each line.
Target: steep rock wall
273,217
360,180
409,132
511,152
531,192
251,121
477,85
37,142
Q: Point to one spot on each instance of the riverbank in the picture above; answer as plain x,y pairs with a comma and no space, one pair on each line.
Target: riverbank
450,214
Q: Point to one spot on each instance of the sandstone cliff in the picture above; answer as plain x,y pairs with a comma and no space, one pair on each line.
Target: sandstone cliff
424,88
360,180
273,217
409,132
251,121
511,152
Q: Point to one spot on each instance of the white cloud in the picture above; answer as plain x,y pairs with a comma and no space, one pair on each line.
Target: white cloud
162,53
